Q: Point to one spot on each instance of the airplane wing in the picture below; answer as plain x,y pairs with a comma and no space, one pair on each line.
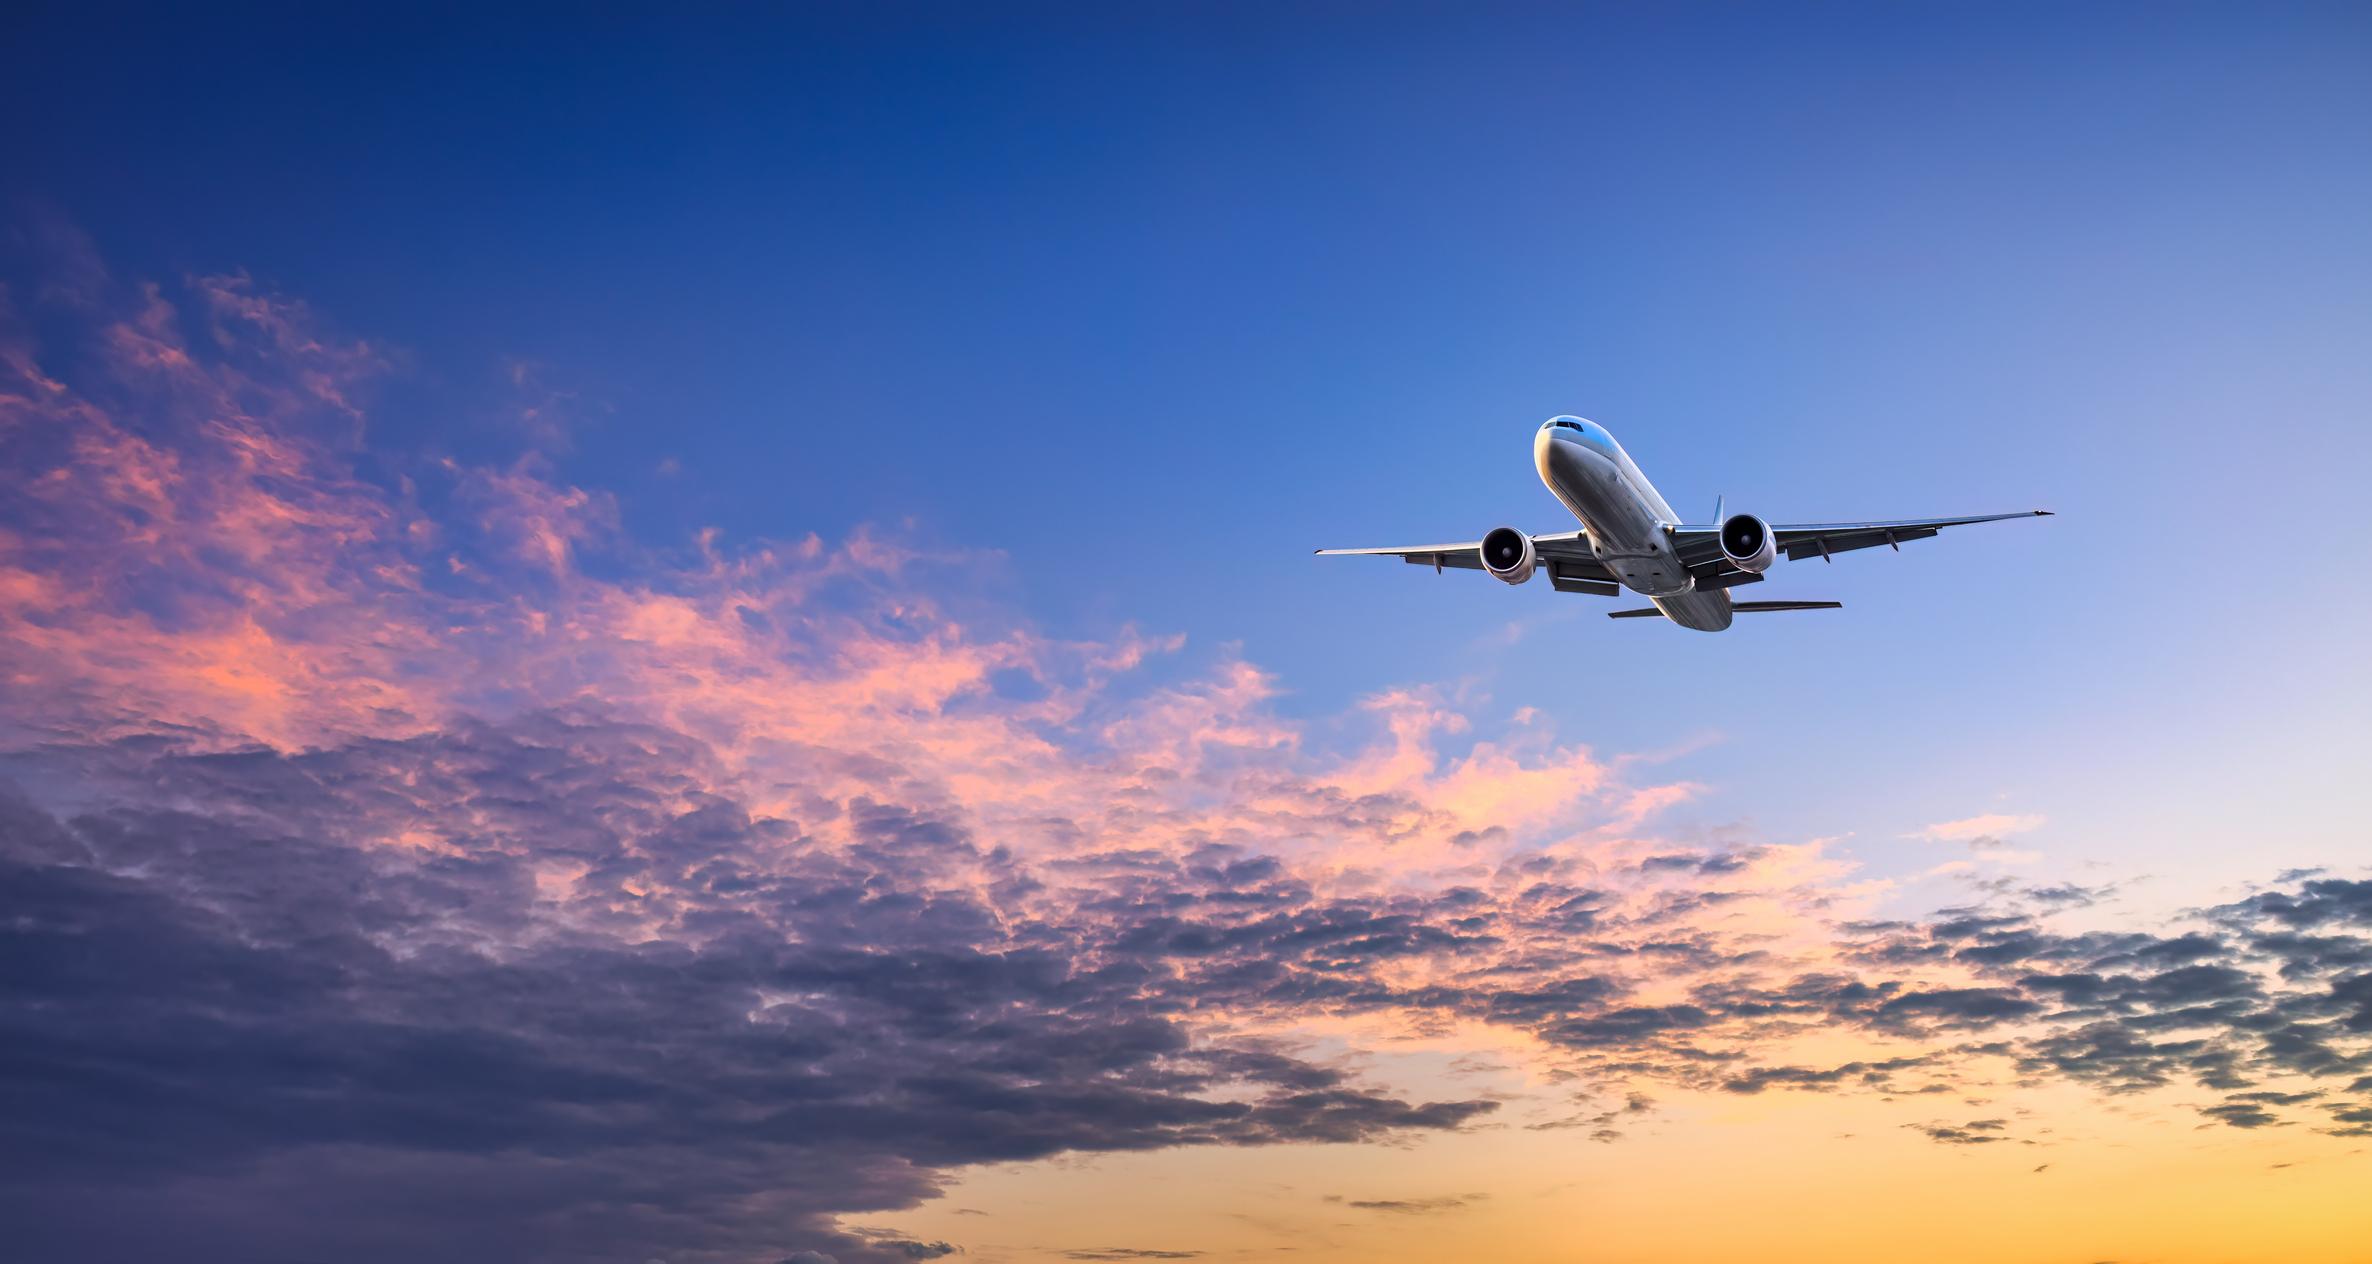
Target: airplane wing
1571,567
1565,555
1700,546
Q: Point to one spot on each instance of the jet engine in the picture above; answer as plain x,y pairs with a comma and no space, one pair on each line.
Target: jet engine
1508,555
1748,542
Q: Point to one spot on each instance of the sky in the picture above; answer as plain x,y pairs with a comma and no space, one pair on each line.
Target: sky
690,635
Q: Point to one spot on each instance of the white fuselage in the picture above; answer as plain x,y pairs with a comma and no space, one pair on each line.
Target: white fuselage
1628,521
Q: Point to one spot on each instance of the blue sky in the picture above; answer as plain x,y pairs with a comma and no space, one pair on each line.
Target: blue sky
1155,302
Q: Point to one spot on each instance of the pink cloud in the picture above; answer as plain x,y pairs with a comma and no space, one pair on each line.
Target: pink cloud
222,569
1979,829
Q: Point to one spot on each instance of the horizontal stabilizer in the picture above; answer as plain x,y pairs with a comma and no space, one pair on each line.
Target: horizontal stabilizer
1753,607
1742,607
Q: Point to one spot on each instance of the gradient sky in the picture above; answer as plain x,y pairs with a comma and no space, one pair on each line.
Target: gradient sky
692,638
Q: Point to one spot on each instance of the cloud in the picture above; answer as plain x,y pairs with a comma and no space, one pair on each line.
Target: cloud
1981,831
2240,1114
385,832
2315,903
1411,1206
901,1243
1873,1075
331,1015
1976,1132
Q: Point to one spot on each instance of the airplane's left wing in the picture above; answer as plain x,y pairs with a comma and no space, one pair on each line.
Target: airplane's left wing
1700,546
1565,555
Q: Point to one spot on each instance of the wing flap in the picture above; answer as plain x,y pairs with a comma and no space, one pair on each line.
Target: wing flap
1406,550
1822,545
1566,577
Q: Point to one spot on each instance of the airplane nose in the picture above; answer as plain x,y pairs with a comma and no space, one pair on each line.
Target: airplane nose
1544,449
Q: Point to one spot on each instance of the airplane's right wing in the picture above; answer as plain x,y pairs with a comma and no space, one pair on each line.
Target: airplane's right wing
1565,555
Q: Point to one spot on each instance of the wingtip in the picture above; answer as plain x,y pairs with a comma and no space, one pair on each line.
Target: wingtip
2044,513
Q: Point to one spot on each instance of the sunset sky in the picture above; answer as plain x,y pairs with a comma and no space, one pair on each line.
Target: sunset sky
692,638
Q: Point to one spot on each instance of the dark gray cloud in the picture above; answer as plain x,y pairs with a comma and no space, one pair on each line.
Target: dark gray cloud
1410,1206
237,1024
245,1036
1975,1132
2241,1114
2316,903
1874,1075
901,1243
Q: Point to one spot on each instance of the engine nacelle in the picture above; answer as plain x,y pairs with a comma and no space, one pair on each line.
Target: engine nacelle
1509,556
1749,543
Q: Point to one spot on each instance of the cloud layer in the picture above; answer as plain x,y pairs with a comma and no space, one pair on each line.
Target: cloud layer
385,833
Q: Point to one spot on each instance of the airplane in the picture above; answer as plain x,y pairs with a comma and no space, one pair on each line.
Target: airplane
1632,539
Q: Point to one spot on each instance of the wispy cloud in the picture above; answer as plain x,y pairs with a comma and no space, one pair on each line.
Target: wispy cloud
1982,831
1410,1206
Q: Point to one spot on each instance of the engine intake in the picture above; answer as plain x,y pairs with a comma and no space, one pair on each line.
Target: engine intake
1509,556
1749,543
